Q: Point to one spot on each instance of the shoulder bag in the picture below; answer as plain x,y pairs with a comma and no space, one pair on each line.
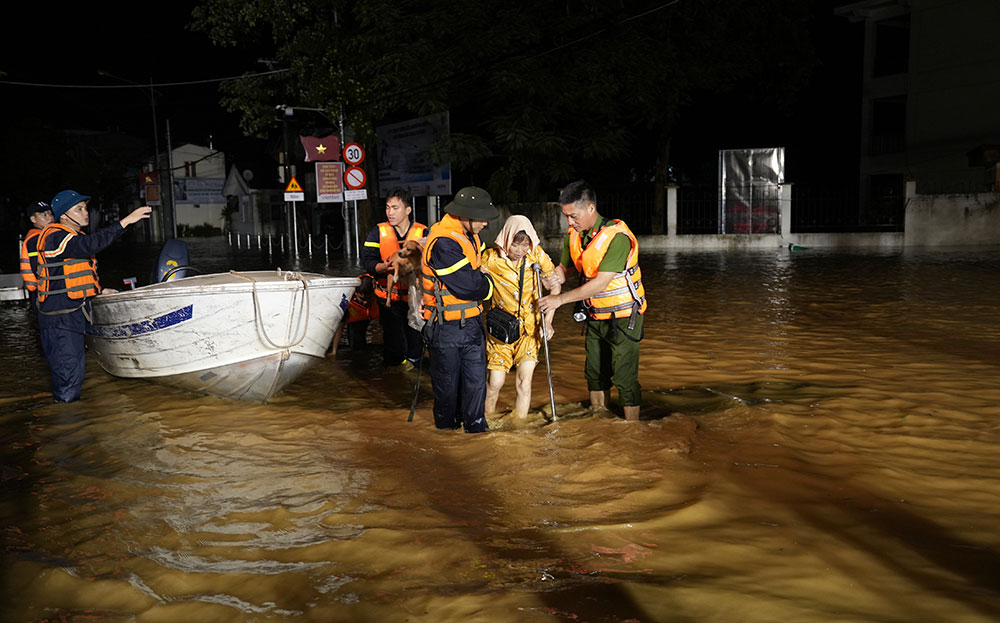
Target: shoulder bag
504,325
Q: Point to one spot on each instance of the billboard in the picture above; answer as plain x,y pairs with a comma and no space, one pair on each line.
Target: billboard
404,156
750,190
199,190
329,182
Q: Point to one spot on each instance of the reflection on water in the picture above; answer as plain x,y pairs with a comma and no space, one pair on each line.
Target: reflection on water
819,443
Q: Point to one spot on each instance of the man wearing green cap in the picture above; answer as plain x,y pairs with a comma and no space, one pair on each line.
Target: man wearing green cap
67,280
454,289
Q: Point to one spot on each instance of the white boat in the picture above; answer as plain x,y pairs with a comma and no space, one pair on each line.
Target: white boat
243,335
12,288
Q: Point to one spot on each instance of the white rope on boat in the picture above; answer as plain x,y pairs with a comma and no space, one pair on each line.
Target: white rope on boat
258,317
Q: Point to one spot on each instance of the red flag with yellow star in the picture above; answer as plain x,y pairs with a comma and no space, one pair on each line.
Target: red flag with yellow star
321,148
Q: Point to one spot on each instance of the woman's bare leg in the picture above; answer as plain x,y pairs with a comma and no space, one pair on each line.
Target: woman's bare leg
525,370
494,383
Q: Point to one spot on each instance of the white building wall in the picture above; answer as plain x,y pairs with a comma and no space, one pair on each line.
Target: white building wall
951,86
204,162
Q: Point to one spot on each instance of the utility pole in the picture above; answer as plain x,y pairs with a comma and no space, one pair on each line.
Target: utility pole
156,135
170,181
291,218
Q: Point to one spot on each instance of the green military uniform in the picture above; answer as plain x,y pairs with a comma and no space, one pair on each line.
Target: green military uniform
610,354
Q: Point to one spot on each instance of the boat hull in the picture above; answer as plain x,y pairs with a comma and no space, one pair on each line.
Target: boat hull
242,335
12,288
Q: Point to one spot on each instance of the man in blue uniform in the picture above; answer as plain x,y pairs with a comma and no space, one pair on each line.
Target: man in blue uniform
454,289
40,215
67,280
401,344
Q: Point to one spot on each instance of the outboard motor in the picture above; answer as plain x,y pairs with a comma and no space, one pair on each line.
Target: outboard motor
173,262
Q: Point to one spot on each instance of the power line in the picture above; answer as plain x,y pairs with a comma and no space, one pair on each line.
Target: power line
142,86
603,30
466,76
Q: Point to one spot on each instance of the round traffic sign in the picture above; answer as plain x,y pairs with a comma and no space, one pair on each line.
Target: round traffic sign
354,154
355,178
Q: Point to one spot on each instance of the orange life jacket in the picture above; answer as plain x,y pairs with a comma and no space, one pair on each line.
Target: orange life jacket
625,292
29,255
439,305
388,244
359,310
79,275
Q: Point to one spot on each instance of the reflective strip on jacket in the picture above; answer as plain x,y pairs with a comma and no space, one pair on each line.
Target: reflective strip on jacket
625,291
439,305
29,259
78,275
388,243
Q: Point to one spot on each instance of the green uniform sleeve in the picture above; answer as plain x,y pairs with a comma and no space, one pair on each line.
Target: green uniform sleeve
566,259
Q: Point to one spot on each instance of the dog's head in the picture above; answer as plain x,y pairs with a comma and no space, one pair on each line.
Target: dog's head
411,248
409,254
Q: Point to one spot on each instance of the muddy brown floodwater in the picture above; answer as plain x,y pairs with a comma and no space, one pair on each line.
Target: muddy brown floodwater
819,443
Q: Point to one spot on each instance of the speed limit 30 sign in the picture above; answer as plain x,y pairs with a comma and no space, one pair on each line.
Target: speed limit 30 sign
354,154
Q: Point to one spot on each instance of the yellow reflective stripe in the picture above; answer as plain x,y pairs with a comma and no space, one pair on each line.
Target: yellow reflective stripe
457,265
59,249
371,244
490,294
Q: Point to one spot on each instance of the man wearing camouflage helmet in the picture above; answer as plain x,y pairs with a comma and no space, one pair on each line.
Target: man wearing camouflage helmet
454,289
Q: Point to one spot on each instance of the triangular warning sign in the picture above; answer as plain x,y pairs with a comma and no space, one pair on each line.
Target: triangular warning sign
293,186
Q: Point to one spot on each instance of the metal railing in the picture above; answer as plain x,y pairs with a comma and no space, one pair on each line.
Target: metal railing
697,210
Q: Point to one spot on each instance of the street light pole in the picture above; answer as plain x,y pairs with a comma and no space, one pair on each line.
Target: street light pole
288,111
170,181
156,138
292,218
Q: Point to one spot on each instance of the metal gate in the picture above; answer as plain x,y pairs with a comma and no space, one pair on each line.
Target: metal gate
750,190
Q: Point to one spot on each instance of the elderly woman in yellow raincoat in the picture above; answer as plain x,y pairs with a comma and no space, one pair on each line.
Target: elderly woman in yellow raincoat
516,247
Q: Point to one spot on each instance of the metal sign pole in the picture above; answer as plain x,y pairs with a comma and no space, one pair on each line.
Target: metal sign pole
357,241
347,218
347,232
295,234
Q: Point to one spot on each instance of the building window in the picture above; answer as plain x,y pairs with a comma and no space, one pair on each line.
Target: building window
190,169
888,135
892,46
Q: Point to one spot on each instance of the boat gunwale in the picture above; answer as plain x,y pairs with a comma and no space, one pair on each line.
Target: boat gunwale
173,289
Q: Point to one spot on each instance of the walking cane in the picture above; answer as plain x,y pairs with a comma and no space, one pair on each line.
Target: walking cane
545,338
416,387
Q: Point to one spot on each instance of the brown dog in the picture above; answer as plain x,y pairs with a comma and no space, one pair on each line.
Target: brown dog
405,264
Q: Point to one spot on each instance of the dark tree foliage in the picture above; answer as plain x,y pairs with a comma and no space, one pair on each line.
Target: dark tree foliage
538,92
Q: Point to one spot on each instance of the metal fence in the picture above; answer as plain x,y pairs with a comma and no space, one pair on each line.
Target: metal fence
814,209
698,209
632,205
826,209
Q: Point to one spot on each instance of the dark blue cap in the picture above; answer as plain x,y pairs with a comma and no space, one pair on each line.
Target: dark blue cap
39,206
66,200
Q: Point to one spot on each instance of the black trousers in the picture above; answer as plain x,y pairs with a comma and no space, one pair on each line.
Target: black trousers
65,352
458,373
399,340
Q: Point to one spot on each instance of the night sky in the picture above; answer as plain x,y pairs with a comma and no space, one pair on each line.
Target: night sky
72,44
134,42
